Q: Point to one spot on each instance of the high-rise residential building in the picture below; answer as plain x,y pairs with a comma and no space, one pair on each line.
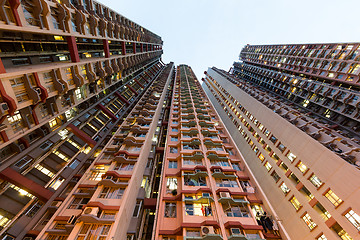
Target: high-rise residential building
207,189
71,72
293,112
99,139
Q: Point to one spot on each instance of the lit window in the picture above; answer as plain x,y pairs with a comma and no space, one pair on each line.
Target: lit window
78,94
44,170
268,166
96,176
295,203
21,192
261,157
315,181
284,188
56,184
353,218
53,122
291,156
302,167
61,155
171,185
333,198
309,222
322,237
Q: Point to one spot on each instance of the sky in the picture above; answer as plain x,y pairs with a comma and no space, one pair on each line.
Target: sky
206,33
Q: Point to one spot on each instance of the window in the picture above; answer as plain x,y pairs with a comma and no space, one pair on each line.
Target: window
281,147
171,185
78,203
170,210
322,211
322,237
308,221
96,176
57,183
284,188
291,156
353,218
174,130
53,123
302,167
93,231
231,153
268,166
44,170
261,157
124,167
4,219
190,180
273,139
192,233
296,204
220,163
236,166
78,94
173,150
16,121
192,162
172,164
333,198
108,215
226,183
236,210
315,181
137,208
168,238
275,176
174,139
56,237
114,193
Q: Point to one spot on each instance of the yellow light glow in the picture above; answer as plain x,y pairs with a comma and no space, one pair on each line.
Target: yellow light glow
58,38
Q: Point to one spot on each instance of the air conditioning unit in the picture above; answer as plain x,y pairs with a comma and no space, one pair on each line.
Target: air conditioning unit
206,194
206,230
217,170
224,195
72,220
91,211
235,231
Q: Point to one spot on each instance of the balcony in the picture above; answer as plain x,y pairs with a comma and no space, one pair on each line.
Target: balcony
197,173
195,156
219,174
215,157
206,237
111,181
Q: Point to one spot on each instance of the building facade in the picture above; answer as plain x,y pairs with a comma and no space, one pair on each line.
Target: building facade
292,111
70,73
207,189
